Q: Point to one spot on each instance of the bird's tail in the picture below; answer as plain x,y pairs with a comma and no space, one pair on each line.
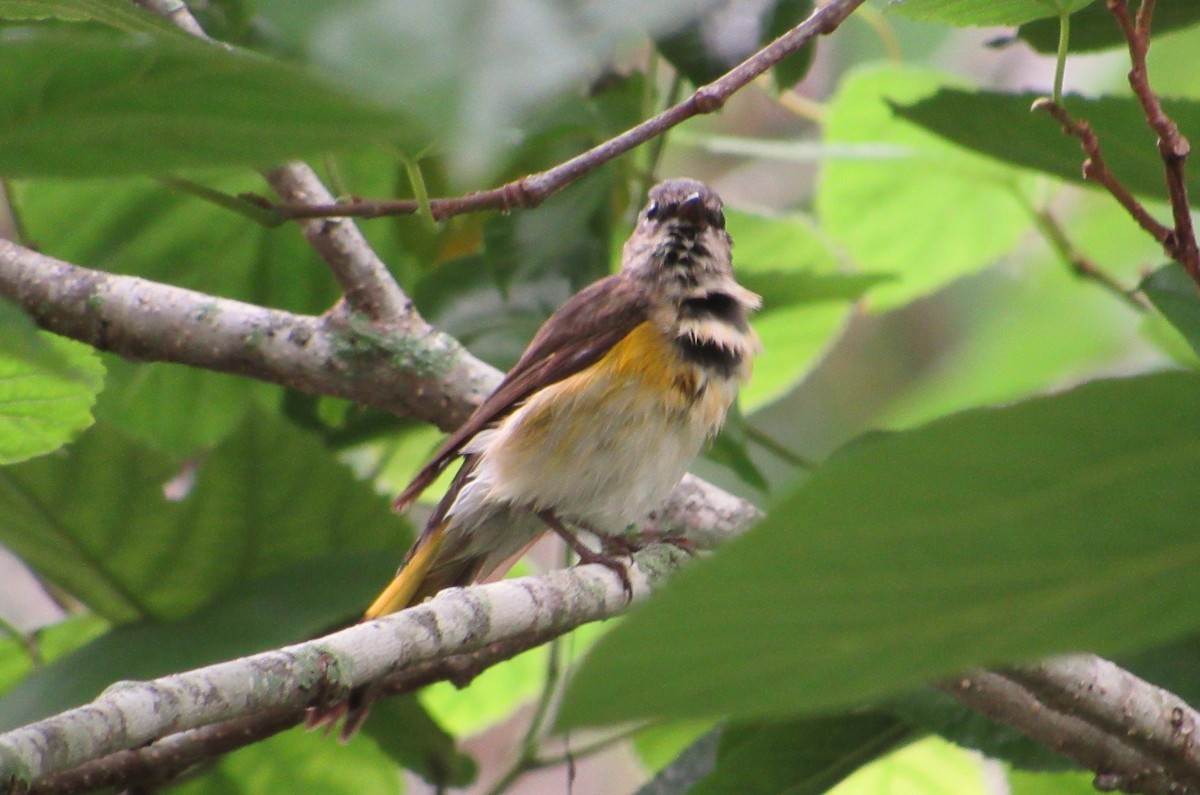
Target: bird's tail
430,566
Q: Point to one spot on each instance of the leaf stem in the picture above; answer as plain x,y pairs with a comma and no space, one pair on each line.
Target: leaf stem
1064,42
263,216
416,178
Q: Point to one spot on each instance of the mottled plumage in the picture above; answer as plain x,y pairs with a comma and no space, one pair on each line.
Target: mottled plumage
606,409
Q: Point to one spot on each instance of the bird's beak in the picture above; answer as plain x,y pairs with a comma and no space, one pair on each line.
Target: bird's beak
692,209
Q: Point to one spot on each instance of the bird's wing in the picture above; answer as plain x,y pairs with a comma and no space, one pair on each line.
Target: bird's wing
578,335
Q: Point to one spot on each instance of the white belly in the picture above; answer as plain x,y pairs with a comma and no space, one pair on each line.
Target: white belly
603,455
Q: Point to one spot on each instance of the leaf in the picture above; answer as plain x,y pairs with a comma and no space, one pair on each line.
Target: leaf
691,765
984,12
47,390
299,761
91,103
22,341
1174,293
781,289
52,641
405,732
138,227
1093,28
709,46
97,522
1021,783
804,288
785,15
661,747
799,757
180,410
928,767
472,70
114,13
730,449
993,535
1001,126
928,215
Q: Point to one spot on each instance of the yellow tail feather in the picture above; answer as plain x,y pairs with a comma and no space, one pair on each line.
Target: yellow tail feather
400,592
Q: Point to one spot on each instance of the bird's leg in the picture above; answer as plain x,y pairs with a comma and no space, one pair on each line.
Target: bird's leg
585,553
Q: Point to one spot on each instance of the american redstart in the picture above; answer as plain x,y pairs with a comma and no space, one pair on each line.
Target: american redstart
603,413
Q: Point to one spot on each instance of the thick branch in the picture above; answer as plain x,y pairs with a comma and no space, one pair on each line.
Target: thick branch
412,370
456,621
1155,721
532,190
1117,763
164,760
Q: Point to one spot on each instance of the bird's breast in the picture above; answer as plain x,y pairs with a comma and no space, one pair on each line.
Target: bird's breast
605,446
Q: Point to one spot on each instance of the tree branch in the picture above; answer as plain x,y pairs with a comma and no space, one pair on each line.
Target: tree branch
165,759
367,285
1173,147
1156,722
532,190
411,369
1179,241
457,621
1117,763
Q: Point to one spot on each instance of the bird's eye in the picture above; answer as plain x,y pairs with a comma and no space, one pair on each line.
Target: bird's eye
652,211
717,219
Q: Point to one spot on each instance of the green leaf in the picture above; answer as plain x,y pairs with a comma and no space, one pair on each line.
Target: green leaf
299,761
799,757
661,745
22,341
1050,525
730,449
804,290
117,14
52,641
1094,28
1002,126
688,766
784,16
139,227
406,733
99,523
1174,293
707,47
984,12
48,385
929,767
90,103
930,213
1021,783
177,409
472,71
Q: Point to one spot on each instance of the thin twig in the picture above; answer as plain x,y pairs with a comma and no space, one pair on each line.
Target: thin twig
1173,147
1095,168
1081,265
532,190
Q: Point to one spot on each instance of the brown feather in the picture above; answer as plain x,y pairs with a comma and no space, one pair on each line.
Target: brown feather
578,335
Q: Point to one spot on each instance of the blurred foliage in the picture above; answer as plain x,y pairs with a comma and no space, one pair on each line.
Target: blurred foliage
901,234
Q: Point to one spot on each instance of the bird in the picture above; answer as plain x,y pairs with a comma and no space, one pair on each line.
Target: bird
604,412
